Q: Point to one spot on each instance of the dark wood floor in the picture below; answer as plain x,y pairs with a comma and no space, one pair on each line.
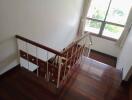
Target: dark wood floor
20,84
91,81
110,60
95,81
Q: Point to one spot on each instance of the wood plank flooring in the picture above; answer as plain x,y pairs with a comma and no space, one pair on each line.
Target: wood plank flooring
94,81
110,60
21,84
91,81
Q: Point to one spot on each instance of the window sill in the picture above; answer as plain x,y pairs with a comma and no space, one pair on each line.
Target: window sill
104,37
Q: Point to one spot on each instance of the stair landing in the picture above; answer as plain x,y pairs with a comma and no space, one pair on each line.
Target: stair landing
91,81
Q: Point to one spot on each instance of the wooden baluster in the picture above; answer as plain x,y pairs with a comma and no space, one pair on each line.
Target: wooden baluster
37,61
86,47
59,71
90,44
67,54
80,54
75,54
89,47
83,47
84,50
71,57
27,54
54,60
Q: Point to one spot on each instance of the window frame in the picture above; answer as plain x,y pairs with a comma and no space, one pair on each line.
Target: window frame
103,23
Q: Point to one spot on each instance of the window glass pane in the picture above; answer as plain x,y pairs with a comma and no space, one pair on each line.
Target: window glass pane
98,9
92,26
119,11
112,31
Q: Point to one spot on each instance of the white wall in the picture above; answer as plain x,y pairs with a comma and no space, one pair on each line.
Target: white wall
105,46
52,18
125,59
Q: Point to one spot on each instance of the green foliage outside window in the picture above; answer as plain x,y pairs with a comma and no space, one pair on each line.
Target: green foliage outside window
99,14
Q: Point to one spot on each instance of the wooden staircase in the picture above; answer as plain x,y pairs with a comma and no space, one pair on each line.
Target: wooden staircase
55,66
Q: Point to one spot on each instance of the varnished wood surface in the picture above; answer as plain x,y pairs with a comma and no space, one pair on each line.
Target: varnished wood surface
91,81
104,58
38,45
21,84
59,53
94,81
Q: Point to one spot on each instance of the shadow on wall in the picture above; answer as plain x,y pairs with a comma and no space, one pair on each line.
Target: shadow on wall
11,58
8,54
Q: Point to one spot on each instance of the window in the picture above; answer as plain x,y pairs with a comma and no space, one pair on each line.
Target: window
106,18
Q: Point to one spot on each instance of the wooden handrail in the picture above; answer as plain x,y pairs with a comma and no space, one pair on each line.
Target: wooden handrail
39,45
76,41
82,37
50,49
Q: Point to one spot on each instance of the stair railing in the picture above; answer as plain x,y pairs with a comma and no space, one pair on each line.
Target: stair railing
56,67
